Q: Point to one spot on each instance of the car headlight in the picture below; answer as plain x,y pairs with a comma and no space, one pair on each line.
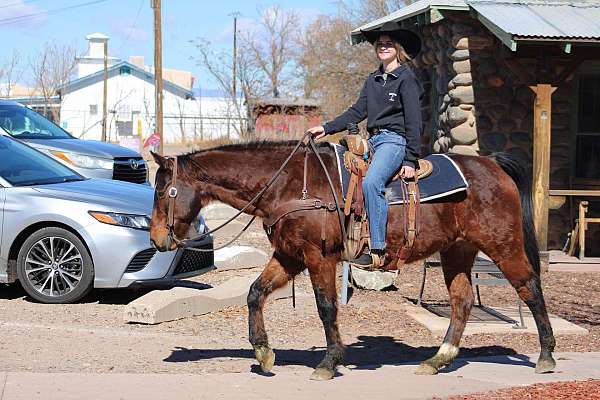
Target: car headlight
82,161
118,219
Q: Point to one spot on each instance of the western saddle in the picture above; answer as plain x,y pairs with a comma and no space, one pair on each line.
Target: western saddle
356,161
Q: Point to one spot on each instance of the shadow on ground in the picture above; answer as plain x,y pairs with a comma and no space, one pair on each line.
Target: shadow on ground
105,296
369,352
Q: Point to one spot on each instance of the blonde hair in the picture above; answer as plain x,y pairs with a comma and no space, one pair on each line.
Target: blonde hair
401,54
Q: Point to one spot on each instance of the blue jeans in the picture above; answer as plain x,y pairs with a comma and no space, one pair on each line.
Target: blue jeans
389,150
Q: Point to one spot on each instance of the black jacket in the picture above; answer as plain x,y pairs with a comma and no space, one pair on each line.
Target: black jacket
393,103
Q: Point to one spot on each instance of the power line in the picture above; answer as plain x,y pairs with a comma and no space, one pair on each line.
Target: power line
20,18
18,3
132,27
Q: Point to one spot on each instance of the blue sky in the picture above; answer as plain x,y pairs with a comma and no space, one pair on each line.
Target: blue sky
129,24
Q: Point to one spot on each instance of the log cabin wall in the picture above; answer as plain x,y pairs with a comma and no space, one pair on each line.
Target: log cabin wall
479,102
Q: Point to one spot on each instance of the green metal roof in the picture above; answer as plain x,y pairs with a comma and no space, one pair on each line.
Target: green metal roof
512,21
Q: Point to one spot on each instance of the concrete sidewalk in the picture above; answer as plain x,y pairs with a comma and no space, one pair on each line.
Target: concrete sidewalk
290,383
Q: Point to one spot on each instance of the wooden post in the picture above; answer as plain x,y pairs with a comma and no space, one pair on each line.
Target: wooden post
582,228
542,112
158,85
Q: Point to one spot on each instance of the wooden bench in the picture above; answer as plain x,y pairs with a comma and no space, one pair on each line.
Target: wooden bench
577,236
494,277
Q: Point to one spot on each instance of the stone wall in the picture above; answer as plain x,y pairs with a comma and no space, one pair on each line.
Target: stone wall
482,106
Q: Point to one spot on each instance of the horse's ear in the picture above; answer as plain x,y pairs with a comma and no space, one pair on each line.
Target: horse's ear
162,162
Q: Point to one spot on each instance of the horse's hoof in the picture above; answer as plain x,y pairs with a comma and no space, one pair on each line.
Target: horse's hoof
265,357
321,374
545,365
426,369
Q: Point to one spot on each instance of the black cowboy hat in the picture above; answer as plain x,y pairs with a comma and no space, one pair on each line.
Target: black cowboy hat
408,39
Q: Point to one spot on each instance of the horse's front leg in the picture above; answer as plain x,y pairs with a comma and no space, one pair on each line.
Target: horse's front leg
274,276
322,275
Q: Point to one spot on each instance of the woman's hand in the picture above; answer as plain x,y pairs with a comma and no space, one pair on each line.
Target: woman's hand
407,172
317,132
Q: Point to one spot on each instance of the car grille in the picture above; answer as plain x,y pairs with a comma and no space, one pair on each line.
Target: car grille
130,170
140,260
191,261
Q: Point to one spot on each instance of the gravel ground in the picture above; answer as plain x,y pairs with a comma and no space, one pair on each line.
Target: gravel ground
92,337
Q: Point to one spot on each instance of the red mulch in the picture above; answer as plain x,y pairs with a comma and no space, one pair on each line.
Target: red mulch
575,390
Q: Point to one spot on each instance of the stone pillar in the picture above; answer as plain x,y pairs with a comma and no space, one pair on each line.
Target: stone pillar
447,47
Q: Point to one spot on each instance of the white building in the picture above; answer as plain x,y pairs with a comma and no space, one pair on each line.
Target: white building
130,102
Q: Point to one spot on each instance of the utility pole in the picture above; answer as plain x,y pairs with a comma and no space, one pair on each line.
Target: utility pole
105,92
234,76
235,16
158,73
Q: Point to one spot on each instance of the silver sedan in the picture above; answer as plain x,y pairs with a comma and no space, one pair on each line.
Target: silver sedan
63,234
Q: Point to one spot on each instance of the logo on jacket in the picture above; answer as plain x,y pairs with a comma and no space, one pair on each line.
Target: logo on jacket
393,96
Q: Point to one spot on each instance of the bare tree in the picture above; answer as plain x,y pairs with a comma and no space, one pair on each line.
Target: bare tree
332,69
369,10
181,115
218,64
10,73
51,68
272,44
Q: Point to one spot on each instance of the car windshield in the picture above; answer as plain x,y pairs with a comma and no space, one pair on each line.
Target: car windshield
20,165
23,123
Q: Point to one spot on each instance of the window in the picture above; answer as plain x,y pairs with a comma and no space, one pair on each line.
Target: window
93,109
24,123
125,71
124,128
587,160
21,165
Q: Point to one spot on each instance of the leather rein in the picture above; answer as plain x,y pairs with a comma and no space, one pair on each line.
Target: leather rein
302,204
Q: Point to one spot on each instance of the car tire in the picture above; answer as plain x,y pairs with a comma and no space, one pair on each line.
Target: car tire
54,266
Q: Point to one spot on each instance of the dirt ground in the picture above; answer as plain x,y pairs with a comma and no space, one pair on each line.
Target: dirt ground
92,337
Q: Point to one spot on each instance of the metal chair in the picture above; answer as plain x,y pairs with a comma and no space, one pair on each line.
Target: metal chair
481,265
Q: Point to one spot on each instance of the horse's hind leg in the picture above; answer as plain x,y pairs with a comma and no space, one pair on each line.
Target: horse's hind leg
456,264
514,264
274,276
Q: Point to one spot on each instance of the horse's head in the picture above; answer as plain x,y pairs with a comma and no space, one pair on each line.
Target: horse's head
172,190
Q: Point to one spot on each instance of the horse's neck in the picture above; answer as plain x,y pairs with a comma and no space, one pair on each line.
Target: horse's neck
235,177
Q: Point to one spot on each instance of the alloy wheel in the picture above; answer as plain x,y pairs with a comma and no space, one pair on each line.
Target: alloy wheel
53,266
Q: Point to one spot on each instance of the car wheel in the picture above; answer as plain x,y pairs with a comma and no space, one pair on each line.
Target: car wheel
54,266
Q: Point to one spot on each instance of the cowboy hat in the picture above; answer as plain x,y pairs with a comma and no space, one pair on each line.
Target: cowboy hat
408,39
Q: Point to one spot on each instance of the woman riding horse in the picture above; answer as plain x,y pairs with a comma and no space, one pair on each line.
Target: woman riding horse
493,215
391,101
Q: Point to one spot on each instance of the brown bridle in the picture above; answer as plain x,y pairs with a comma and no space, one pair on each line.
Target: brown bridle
171,194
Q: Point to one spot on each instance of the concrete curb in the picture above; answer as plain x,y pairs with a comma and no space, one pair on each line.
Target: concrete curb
181,302
438,325
240,257
218,211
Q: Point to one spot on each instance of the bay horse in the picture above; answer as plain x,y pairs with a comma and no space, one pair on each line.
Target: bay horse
494,216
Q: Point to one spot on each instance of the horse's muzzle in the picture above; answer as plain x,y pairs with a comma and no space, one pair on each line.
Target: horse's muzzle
166,246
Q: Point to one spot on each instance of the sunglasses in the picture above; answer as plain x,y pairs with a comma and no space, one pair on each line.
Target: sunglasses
385,44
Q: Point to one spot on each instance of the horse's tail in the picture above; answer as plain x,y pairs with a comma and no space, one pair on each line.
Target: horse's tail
516,170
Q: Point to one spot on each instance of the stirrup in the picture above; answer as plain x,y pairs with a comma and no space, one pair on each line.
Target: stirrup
369,261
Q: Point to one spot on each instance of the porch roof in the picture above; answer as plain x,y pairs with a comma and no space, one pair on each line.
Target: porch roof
512,21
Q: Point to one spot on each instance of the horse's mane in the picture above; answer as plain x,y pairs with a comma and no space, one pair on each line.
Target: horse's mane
253,145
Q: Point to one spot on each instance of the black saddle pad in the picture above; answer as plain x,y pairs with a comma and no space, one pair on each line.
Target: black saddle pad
445,179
